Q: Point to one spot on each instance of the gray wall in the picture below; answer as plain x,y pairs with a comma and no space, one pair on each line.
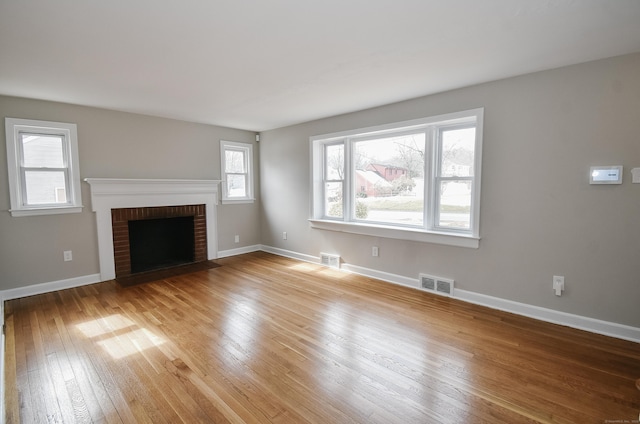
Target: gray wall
539,215
111,145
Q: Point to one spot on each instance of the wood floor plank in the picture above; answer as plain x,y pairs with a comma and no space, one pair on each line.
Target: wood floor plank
98,372
92,395
12,399
268,339
99,404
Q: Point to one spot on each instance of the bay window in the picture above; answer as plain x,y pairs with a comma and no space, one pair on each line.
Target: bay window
416,180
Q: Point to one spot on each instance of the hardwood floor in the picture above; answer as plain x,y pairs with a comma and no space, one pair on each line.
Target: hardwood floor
266,339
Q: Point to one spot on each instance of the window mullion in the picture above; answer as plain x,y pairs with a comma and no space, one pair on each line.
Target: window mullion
437,170
347,183
430,184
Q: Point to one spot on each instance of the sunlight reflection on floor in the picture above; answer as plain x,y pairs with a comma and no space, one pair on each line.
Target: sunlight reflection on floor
126,337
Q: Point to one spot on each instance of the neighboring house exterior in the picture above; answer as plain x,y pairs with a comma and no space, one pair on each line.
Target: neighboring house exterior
388,172
371,184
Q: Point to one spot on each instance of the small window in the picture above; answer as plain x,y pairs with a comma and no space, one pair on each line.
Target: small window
237,172
42,160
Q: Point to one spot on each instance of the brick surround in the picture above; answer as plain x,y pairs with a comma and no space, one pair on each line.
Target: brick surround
120,227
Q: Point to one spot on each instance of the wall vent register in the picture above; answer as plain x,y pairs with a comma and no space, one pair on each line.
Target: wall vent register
332,261
437,285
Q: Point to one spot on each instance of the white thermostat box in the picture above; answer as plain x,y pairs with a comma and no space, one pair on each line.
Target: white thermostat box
605,175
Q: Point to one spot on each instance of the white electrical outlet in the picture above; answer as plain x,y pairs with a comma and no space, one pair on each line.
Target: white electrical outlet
68,255
237,239
374,251
284,235
558,284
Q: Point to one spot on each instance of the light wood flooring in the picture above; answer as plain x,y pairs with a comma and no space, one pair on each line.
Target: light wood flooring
266,339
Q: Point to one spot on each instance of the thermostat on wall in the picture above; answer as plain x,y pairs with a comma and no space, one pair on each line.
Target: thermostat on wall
605,175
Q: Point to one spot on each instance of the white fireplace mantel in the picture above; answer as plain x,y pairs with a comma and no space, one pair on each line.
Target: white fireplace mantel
115,193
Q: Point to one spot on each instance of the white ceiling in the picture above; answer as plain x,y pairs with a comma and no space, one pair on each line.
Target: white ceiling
259,65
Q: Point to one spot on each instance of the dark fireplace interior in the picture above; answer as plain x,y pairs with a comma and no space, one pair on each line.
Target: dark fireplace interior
161,243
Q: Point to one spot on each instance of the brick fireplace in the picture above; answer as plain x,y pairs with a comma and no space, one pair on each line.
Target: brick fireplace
120,219
118,200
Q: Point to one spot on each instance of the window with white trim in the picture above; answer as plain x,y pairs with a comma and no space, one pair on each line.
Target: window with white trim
237,172
416,180
43,167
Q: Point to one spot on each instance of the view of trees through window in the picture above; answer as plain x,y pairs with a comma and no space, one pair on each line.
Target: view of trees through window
235,164
388,178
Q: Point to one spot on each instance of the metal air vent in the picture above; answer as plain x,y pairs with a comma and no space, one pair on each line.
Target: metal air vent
330,260
437,285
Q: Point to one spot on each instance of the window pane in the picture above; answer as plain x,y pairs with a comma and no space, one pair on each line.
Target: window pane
455,204
236,185
234,161
333,200
458,152
42,151
334,154
389,179
45,187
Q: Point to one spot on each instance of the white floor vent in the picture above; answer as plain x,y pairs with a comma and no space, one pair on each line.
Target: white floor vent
438,285
330,260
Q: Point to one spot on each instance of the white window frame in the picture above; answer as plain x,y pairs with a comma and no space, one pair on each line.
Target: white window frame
247,150
429,232
14,127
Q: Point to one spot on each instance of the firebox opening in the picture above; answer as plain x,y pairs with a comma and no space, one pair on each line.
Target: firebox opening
161,243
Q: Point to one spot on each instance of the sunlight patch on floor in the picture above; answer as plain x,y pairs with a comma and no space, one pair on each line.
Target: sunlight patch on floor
129,338
334,273
130,343
304,267
108,324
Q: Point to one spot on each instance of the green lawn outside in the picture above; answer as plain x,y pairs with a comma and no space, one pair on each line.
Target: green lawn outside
406,204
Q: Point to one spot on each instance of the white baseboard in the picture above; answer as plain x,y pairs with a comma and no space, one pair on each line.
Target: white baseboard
592,325
381,275
34,289
290,254
579,322
239,251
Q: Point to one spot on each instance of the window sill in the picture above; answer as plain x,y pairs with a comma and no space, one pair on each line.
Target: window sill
45,211
411,234
236,201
